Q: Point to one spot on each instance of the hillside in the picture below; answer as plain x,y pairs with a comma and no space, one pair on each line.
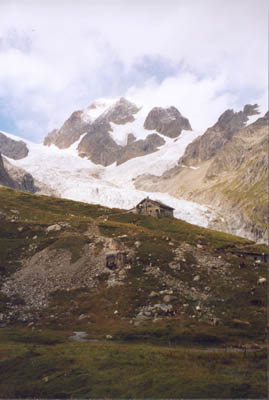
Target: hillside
135,285
226,168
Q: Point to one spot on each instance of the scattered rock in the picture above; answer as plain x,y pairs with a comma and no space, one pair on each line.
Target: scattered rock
54,228
167,298
109,337
153,294
82,317
196,278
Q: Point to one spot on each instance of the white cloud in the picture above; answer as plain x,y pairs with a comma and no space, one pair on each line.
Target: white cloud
57,56
202,101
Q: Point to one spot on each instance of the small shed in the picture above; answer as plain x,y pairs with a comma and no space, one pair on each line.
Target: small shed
154,208
116,259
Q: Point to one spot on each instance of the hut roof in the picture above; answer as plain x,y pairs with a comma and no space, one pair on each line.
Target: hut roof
157,203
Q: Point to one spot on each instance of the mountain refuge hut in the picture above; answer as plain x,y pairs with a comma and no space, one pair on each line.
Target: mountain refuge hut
153,208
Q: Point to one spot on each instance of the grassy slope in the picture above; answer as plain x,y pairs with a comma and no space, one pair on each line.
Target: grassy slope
141,362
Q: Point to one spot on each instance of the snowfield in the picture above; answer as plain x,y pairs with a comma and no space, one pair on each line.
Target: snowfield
79,179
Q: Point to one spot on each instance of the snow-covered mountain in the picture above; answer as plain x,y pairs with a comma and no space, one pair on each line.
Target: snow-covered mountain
59,161
118,132
101,154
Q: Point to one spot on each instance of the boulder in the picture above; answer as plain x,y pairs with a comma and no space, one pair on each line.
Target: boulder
54,228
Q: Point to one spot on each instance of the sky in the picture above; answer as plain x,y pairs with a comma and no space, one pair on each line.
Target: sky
58,56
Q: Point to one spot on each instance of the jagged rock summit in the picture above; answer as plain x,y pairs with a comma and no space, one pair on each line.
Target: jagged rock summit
168,122
117,132
206,146
69,133
121,112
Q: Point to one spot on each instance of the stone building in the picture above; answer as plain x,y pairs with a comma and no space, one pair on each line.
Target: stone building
153,208
116,259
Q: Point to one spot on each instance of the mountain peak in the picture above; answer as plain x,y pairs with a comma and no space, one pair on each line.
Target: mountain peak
167,121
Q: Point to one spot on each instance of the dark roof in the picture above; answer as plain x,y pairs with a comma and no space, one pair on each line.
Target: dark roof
156,202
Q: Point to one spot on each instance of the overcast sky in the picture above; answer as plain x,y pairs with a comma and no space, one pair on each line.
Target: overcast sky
203,56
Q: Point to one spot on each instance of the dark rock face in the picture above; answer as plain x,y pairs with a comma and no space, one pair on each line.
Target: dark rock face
168,122
206,146
100,148
97,145
5,179
69,133
12,148
16,178
140,148
120,113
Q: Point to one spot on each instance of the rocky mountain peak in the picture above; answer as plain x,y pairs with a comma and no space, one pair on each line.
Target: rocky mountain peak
167,121
206,146
230,122
121,112
69,133
99,143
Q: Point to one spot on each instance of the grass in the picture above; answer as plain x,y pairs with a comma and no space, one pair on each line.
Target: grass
36,369
167,358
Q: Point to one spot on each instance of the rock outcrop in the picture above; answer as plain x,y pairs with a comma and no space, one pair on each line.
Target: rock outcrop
69,133
12,148
121,112
18,178
140,148
15,178
206,146
168,122
98,144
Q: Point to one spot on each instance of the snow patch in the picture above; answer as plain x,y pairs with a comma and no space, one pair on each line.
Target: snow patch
97,108
120,132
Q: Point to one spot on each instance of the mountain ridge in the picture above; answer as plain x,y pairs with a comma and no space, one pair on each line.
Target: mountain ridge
230,173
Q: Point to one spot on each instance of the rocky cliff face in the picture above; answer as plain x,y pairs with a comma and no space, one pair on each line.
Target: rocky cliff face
206,146
12,148
226,168
168,122
18,178
5,179
15,178
69,133
98,144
